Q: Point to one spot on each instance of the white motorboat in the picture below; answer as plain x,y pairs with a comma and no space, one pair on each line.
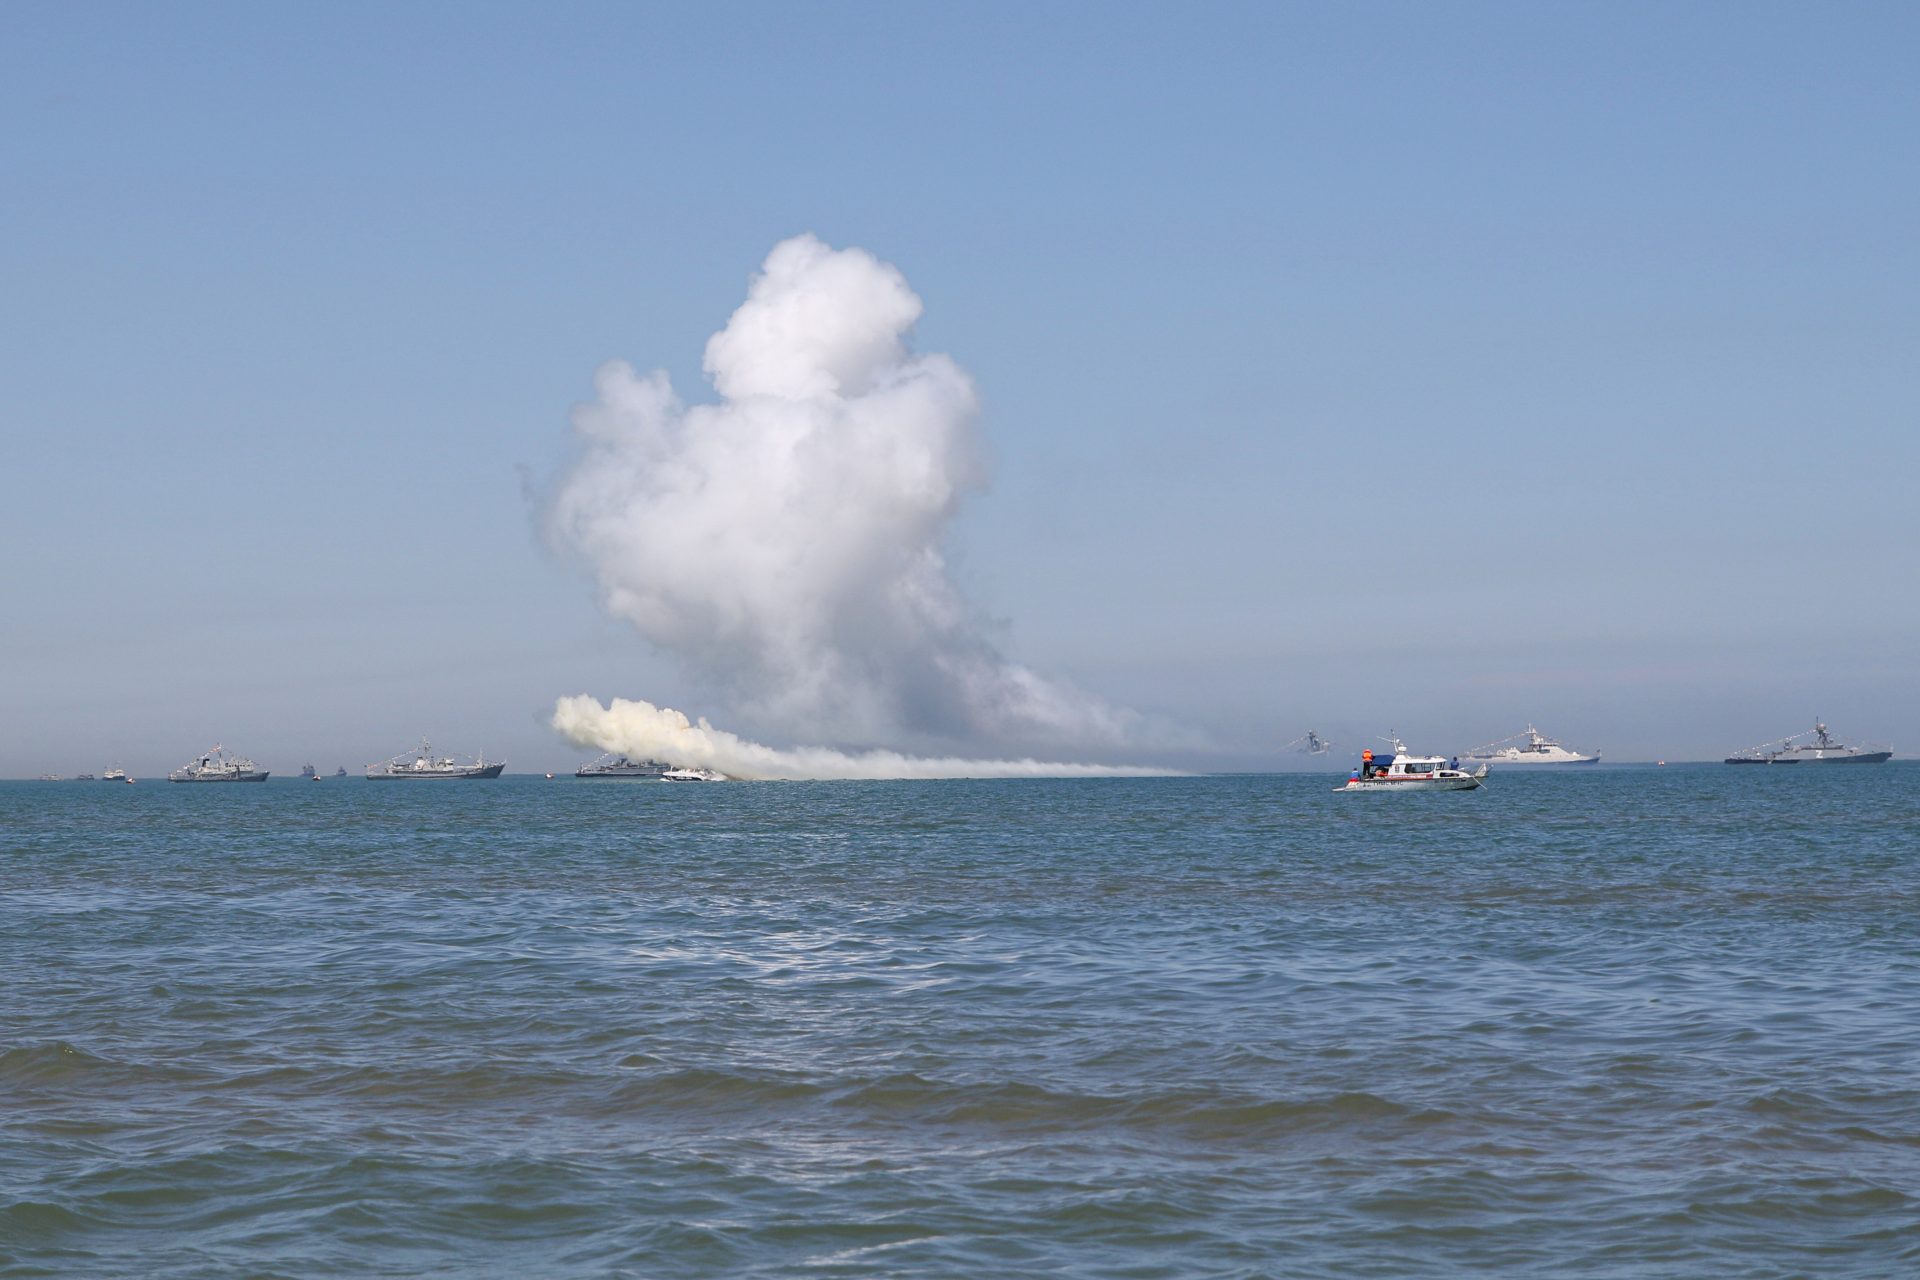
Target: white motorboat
692,775
1402,770
1537,749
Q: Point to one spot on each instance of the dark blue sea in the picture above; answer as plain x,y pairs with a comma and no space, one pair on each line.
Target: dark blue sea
1615,1022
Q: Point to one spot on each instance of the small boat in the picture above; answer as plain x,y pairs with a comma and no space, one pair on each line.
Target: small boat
1537,749
51,777
613,765
1816,746
1404,771
217,765
85,777
424,765
692,775
341,772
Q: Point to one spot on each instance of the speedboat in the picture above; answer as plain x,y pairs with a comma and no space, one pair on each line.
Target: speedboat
1402,770
692,775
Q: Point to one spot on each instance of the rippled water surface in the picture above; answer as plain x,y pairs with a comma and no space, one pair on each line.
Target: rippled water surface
1613,1022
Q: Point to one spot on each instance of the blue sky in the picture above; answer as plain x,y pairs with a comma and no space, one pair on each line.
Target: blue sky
1430,368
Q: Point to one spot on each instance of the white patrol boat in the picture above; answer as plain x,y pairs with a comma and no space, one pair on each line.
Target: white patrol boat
692,775
1537,749
1401,770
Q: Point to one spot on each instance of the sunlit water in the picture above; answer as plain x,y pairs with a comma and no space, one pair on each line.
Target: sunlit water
1613,1022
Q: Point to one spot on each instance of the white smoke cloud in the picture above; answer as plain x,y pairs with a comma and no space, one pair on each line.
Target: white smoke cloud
785,543
643,731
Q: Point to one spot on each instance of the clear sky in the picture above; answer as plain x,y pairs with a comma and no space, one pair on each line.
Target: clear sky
1421,367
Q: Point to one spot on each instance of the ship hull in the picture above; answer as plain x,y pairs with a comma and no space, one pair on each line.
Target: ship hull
1467,783
1857,757
259,776
439,775
1504,761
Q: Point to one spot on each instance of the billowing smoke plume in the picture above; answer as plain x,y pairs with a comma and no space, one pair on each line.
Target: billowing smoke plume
786,542
643,731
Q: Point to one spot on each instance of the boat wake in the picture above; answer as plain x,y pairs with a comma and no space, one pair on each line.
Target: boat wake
642,730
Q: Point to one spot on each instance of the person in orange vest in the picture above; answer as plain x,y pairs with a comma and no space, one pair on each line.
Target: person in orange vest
1366,762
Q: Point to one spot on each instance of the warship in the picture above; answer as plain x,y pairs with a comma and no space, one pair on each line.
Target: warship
1309,743
1537,749
1816,746
219,766
424,765
613,765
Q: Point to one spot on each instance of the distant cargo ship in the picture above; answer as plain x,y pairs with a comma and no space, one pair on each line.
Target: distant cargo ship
1816,746
426,766
217,766
612,765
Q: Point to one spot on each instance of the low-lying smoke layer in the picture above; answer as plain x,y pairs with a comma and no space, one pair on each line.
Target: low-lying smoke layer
785,542
643,731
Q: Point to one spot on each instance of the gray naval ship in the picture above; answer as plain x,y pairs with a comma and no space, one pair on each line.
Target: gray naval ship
1814,747
425,766
614,765
219,765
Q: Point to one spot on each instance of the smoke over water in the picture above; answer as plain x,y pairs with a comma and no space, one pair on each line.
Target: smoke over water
785,542
643,731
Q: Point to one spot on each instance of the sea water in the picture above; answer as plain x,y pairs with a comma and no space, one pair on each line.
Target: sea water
1596,1022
